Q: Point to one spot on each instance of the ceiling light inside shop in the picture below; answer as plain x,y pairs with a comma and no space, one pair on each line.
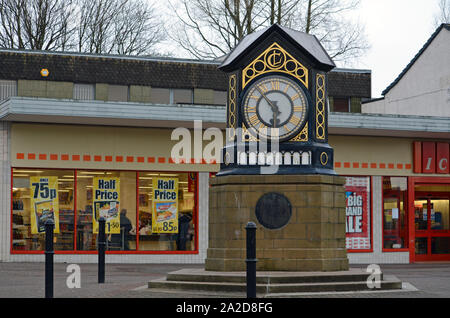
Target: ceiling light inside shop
94,172
28,171
21,175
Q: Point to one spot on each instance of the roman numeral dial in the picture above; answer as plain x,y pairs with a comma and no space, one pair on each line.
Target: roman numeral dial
275,107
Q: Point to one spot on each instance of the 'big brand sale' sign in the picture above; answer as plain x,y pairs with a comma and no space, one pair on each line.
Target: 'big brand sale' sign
357,213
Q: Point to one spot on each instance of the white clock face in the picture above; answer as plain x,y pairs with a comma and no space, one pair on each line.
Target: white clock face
275,107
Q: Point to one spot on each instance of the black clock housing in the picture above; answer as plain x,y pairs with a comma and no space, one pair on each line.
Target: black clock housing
278,57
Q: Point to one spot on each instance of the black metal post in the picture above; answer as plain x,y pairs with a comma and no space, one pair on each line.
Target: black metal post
49,226
101,250
251,259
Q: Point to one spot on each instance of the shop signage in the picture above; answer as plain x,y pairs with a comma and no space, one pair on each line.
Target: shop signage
165,205
44,203
106,203
431,157
357,212
191,181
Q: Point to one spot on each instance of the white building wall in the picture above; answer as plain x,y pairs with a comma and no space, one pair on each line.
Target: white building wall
378,257
425,88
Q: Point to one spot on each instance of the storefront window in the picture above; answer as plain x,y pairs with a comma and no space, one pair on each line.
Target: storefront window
157,212
395,221
111,194
167,211
38,195
358,213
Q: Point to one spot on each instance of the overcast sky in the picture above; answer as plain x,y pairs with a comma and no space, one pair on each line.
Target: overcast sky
397,30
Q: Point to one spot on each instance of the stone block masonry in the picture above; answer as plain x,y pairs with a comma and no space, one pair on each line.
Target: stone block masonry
313,239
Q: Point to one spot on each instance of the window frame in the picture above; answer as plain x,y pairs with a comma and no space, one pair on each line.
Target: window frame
406,208
342,98
195,218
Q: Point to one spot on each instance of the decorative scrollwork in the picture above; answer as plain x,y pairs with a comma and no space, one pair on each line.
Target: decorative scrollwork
246,135
320,106
232,96
302,136
275,59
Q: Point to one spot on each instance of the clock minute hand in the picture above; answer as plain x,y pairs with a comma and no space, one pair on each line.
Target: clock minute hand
265,97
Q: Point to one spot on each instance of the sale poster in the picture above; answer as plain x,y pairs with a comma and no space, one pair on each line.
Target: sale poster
106,203
165,205
44,203
357,213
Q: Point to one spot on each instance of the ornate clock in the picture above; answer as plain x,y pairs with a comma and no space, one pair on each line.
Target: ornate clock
275,107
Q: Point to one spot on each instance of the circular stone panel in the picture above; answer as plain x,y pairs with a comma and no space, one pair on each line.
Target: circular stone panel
273,210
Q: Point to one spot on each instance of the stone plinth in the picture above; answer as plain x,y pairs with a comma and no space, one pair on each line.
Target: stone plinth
313,240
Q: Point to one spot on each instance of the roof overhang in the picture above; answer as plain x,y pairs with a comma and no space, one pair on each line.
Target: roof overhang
22,109
38,110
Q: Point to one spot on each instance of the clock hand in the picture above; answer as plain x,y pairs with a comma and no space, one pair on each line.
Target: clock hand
268,101
275,109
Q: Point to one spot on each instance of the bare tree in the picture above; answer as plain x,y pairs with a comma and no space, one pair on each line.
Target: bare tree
443,15
211,28
94,26
36,24
117,26
343,39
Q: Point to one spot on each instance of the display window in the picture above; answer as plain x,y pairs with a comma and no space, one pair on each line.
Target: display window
145,212
111,194
395,218
358,212
167,211
430,220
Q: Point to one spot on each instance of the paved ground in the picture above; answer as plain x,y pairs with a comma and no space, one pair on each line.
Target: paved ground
26,280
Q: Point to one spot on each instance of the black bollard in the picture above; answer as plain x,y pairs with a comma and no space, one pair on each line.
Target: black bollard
101,250
251,259
49,227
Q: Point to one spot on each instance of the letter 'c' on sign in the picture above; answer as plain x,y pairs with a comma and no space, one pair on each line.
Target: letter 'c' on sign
442,157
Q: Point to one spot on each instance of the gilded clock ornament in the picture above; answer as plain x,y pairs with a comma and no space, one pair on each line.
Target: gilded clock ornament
275,107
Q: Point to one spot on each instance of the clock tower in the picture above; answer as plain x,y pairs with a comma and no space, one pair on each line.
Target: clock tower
277,105
277,167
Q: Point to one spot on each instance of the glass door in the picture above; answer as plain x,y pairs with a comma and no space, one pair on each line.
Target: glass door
432,223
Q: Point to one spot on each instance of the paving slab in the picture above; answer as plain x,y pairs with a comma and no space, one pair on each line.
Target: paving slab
26,280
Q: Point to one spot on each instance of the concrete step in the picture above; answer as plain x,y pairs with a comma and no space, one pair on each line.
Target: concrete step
389,283
200,275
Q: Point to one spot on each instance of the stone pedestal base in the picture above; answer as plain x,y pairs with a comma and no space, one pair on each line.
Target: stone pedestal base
313,239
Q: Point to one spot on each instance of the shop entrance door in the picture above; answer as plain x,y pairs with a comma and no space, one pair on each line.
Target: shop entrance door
432,222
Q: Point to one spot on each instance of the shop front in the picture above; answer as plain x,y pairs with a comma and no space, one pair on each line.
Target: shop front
397,199
75,174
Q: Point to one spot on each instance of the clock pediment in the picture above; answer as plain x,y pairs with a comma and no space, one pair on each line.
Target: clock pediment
308,44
